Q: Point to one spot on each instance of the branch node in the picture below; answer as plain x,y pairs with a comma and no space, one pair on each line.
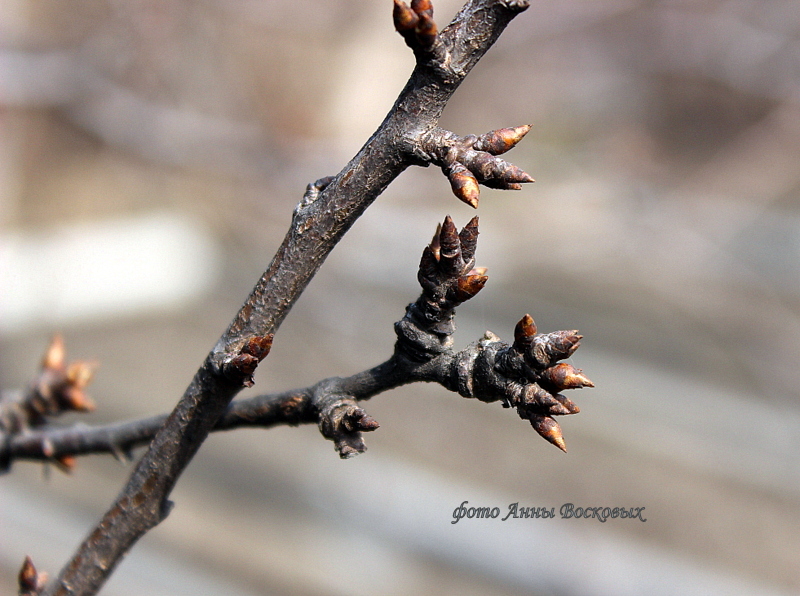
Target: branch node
240,368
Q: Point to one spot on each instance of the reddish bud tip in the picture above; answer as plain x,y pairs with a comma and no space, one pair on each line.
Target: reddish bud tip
549,430
501,140
426,30
566,376
80,374
66,463
524,333
29,579
54,356
405,19
464,184
468,286
258,346
420,6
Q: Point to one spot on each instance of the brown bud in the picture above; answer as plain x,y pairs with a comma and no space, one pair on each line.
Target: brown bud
570,406
566,376
54,356
79,374
359,420
469,239
426,31
420,6
435,245
66,463
536,396
405,19
501,140
30,580
450,260
493,171
259,346
552,347
468,286
72,398
428,266
549,430
524,333
240,369
464,184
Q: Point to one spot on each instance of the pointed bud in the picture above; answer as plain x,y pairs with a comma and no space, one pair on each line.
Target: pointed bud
79,374
464,184
426,31
450,261
549,430
501,140
75,399
420,6
240,369
428,267
552,347
30,581
478,271
536,396
54,357
467,287
570,406
436,247
259,346
66,463
469,239
566,376
405,19
524,333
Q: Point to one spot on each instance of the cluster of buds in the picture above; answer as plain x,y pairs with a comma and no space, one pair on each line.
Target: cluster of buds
31,582
58,388
535,359
447,271
472,160
342,421
415,23
448,277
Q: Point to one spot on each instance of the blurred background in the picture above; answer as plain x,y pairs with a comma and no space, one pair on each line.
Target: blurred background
151,153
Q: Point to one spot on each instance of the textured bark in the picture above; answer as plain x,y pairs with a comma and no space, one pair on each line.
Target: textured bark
443,61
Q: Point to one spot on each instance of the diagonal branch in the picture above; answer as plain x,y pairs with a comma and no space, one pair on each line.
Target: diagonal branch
317,225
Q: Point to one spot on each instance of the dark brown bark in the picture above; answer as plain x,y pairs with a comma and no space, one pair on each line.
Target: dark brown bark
443,60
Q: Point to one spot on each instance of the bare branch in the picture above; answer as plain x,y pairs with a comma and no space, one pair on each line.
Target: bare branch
443,61
526,375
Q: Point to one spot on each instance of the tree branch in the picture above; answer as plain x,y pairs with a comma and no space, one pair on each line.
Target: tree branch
524,375
443,61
